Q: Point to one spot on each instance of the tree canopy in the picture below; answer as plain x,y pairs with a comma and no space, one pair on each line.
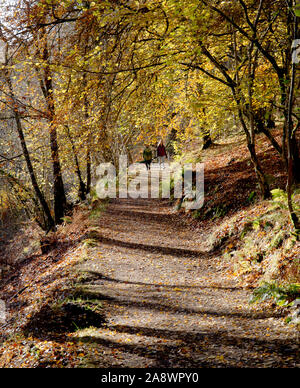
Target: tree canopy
83,81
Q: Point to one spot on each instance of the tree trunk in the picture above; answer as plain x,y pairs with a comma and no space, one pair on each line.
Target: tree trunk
250,134
49,220
88,170
296,157
207,142
88,150
60,201
272,139
262,180
82,187
291,142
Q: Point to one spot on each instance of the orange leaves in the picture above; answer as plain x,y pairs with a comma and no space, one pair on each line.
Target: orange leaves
32,353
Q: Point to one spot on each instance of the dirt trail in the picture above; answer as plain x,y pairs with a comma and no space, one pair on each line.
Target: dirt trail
168,301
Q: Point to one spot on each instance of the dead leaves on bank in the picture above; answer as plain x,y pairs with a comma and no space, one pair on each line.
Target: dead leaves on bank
38,285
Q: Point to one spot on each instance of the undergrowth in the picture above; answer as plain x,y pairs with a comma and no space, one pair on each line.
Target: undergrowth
282,295
260,243
51,305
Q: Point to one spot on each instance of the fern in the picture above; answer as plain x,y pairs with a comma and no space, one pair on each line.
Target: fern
282,295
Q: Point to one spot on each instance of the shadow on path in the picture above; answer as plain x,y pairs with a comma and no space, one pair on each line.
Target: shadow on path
177,252
204,349
97,275
157,301
146,216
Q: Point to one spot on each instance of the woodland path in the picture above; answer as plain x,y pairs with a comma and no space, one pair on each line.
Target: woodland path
168,301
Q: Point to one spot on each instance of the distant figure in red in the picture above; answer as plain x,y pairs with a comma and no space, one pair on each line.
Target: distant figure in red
161,154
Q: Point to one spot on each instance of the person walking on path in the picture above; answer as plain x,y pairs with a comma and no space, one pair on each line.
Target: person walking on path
161,154
147,155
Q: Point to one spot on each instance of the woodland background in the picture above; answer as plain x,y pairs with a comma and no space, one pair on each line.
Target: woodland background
82,82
